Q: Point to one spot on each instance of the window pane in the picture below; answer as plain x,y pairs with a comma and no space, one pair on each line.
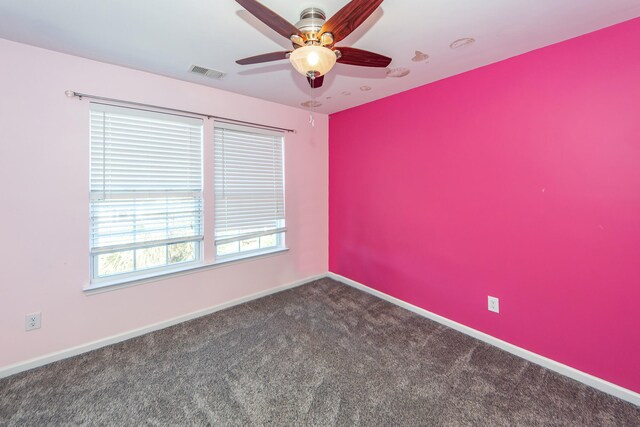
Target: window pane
115,263
227,248
268,241
249,244
151,257
182,252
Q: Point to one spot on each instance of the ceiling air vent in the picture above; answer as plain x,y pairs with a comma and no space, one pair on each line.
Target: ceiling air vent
213,74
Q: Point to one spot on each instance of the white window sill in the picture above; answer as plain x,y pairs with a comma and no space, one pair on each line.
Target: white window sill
120,283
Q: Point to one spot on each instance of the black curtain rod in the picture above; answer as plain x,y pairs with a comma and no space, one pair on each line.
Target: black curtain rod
79,95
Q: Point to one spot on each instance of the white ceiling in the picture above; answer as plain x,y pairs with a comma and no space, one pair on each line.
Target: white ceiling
167,36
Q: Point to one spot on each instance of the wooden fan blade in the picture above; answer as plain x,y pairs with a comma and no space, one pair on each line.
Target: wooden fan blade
349,18
265,57
269,17
315,83
362,58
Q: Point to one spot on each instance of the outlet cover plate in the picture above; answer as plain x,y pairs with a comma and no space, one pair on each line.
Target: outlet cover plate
494,304
33,321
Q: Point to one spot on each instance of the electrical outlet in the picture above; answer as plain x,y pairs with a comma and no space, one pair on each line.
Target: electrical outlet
494,304
33,321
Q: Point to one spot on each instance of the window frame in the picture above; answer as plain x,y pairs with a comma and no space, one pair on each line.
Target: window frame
205,253
132,114
280,229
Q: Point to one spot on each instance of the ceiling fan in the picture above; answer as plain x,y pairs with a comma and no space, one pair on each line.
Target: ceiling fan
314,52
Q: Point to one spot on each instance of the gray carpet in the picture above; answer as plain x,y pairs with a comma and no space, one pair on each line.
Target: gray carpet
320,354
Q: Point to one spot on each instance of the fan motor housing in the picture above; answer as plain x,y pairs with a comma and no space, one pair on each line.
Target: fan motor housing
311,21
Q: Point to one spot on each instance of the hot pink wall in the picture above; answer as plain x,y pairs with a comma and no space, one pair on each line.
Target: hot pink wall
519,180
44,203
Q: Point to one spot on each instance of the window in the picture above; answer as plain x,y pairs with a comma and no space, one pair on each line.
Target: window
146,191
249,215
147,195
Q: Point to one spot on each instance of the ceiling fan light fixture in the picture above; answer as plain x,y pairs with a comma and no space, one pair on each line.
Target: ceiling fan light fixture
313,39
313,61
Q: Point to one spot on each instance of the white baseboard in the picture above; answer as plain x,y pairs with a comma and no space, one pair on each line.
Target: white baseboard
74,351
590,380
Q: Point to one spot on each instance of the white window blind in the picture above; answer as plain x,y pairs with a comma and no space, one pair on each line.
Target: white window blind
146,187
249,189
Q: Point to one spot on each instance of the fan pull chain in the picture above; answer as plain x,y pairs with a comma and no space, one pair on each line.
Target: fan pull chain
312,106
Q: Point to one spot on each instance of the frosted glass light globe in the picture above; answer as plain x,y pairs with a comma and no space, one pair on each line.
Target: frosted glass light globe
313,60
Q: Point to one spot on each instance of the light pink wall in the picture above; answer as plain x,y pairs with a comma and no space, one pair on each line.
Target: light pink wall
519,180
44,203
